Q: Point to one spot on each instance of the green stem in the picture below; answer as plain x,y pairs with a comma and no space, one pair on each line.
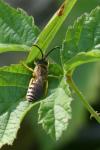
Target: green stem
82,98
47,35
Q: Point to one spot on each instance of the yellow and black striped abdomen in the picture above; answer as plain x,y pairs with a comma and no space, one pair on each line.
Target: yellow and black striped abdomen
35,90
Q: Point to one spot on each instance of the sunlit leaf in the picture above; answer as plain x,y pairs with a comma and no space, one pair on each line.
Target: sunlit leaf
16,27
81,38
55,111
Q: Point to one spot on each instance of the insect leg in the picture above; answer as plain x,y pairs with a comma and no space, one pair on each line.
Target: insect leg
46,88
27,67
31,81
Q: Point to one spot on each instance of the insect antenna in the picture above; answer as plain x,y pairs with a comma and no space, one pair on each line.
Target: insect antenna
39,49
51,51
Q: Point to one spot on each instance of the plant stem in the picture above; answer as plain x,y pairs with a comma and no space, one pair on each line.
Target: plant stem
47,35
82,98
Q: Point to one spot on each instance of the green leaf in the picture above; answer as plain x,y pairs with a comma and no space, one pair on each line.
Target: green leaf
16,27
55,70
10,121
55,111
13,106
82,58
14,82
50,30
14,47
81,38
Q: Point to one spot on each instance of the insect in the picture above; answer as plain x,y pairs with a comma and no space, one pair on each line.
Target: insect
39,82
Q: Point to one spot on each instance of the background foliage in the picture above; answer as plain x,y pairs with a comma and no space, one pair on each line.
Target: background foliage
77,121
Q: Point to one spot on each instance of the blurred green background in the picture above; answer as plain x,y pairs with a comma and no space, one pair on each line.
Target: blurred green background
82,132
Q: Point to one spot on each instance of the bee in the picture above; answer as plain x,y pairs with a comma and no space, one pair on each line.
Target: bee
39,82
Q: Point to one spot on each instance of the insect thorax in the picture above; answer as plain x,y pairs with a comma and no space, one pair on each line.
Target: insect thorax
41,69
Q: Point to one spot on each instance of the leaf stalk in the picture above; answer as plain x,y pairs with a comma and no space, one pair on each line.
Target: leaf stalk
82,98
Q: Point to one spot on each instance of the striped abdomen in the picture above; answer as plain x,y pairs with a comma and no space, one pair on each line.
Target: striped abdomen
35,90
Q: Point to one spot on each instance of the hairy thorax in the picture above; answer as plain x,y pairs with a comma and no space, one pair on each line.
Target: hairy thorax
40,71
